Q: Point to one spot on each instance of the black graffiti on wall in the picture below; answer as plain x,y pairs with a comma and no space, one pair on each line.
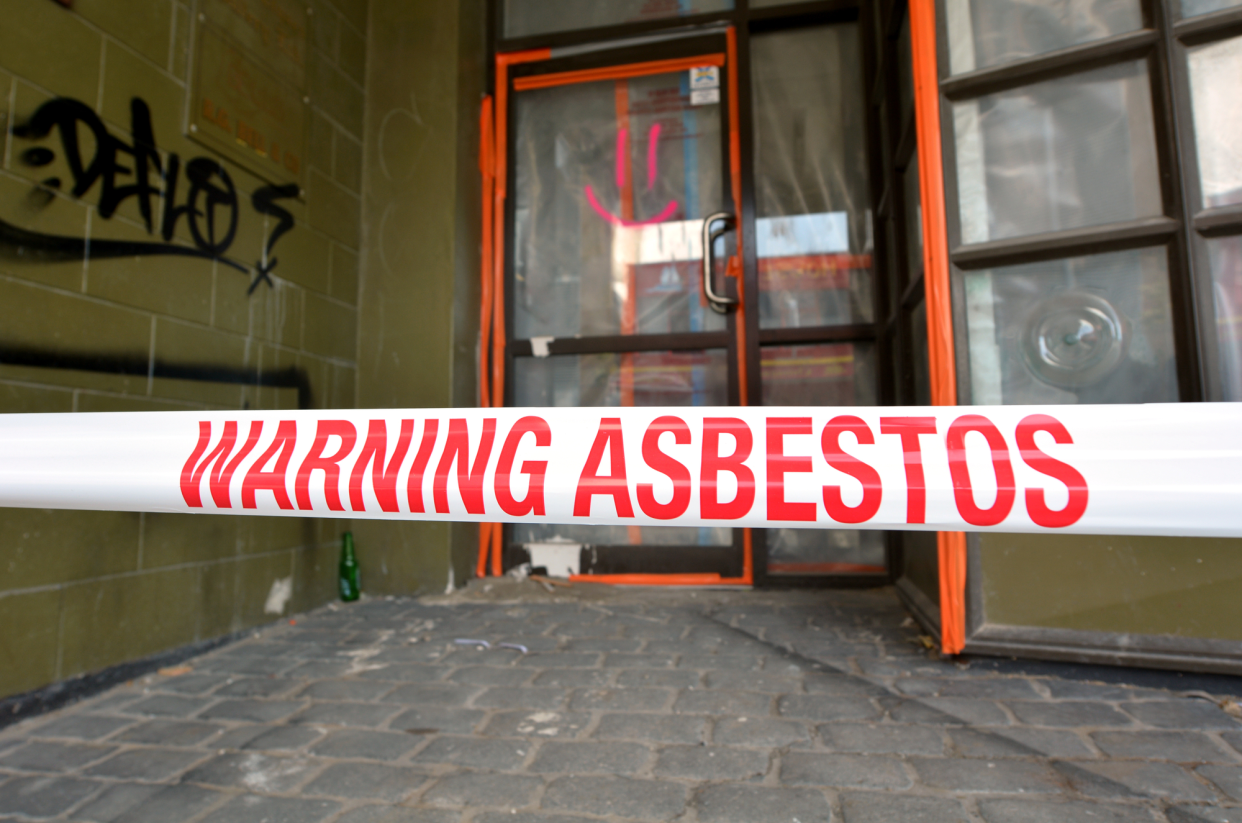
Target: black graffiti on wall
208,204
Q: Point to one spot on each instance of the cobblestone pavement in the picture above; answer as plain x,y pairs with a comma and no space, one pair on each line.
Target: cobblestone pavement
651,706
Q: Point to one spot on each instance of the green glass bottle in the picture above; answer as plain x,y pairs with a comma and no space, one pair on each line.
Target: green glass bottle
349,569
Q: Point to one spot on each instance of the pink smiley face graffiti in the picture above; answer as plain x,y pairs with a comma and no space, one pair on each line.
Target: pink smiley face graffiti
653,139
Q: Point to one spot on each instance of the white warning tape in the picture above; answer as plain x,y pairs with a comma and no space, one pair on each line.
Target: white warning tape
1156,469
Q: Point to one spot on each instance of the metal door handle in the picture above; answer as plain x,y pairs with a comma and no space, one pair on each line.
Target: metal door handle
719,303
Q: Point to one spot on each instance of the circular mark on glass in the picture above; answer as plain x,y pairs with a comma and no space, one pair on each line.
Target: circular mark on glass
37,156
1074,339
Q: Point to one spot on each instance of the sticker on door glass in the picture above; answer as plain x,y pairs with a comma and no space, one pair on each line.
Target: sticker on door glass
704,77
702,97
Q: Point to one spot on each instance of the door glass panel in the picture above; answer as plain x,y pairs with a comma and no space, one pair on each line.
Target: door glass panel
813,228
668,378
1190,8
825,551
914,219
985,33
527,17
665,378
1084,330
1225,254
825,374
613,180
1063,154
1214,72
920,364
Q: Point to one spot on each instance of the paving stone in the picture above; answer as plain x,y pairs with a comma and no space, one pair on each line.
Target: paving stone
172,804
1203,814
371,745
869,807
800,768
619,796
604,644
490,676
753,681
476,789
146,764
53,757
354,690
167,705
367,781
409,672
537,724
281,738
711,763
573,678
1227,778
652,727
256,687
250,665
43,796
433,694
831,683
746,804
732,662
316,669
1018,742
882,738
721,702
990,688
561,660
587,757
759,731
1234,739
437,719
1182,714
991,776
514,697
946,711
1035,811
169,733
1077,690
80,727
249,808
827,707
114,801
346,714
476,753
190,683
258,711
668,678
401,814
1120,778
529,817
621,700
621,660
254,771
1068,714
1182,747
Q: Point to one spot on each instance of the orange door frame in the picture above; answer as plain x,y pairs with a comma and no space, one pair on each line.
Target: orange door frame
951,546
494,148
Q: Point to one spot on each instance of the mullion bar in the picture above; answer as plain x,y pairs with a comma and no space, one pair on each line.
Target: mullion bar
1072,60
861,332
1205,27
626,343
1055,245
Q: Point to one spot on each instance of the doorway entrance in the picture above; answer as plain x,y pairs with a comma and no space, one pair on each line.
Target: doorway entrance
685,218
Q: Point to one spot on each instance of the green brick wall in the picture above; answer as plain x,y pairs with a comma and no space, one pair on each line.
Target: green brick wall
81,591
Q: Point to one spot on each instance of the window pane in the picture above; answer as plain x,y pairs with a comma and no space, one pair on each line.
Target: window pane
1085,330
1226,256
1214,73
984,33
828,374
825,551
613,180
914,219
1063,154
670,378
527,17
921,365
694,378
1192,7
813,227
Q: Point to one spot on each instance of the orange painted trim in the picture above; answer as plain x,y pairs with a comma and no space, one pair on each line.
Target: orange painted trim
951,546
622,72
487,168
705,579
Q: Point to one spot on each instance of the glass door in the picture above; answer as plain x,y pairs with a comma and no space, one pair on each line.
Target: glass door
615,166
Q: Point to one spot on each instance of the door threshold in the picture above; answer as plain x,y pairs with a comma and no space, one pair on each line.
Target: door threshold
691,579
